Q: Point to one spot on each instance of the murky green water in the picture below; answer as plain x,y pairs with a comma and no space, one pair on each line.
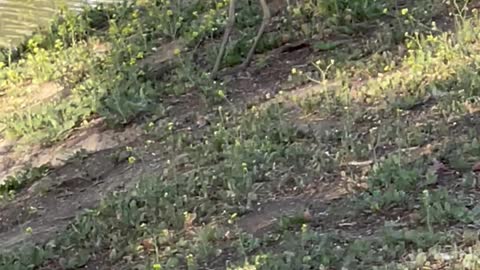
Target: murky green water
19,18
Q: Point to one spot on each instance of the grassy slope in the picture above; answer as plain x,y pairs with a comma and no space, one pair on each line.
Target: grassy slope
91,61
414,117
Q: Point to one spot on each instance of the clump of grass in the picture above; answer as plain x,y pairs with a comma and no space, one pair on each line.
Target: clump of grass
13,184
389,184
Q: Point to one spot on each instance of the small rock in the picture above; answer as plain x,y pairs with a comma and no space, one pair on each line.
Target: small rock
122,156
307,215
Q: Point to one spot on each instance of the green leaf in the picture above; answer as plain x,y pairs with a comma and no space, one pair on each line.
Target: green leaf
325,46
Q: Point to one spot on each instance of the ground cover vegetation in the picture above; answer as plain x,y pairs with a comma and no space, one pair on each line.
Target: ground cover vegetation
375,135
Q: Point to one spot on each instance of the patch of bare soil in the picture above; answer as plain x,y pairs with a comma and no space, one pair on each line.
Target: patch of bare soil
90,139
310,206
51,203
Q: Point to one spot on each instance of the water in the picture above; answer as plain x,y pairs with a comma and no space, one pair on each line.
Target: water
19,18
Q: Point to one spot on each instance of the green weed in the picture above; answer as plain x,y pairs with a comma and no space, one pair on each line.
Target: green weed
14,183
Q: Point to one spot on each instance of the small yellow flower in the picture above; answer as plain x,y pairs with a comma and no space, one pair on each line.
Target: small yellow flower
297,11
169,12
131,159
404,11
294,71
176,52
385,11
157,266
29,230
